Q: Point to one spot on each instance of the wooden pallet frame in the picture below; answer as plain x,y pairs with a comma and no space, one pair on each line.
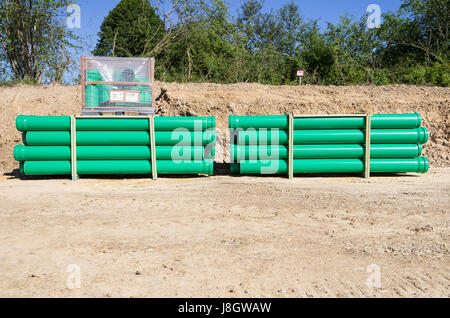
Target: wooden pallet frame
73,143
368,120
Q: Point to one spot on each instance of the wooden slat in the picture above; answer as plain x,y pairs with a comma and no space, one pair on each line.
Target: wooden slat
152,79
115,108
367,148
73,148
291,147
82,82
152,147
118,83
114,59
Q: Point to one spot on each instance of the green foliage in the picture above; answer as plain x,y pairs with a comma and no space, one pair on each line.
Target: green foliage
132,28
199,41
268,47
418,32
34,41
268,43
437,74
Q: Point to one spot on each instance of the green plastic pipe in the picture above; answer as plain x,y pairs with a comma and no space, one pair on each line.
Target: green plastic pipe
104,94
42,153
324,151
420,165
87,167
119,138
94,76
48,123
92,96
379,121
335,136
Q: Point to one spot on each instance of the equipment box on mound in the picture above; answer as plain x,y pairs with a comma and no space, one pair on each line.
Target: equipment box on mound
117,85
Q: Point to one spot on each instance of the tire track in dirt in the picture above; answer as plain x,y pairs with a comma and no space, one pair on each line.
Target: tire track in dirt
416,284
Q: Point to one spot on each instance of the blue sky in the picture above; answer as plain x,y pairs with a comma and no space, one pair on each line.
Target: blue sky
94,11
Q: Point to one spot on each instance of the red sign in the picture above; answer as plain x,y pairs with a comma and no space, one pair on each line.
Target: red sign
300,73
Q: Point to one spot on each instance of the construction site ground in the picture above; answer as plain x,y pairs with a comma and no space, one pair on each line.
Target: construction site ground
229,236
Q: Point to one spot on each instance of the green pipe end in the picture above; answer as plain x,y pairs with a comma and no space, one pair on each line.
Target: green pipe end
423,135
21,167
233,121
211,123
24,138
419,150
21,123
209,167
234,168
19,153
424,165
419,119
211,154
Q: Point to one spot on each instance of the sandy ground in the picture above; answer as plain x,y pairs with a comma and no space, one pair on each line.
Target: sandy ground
229,236
226,236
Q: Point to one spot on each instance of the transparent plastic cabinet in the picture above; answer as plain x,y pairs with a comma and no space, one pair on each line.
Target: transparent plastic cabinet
117,85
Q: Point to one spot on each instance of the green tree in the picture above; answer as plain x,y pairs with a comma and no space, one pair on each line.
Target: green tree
132,28
317,56
354,47
34,39
293,29
204,49
202,42
418,29
271,40
416,43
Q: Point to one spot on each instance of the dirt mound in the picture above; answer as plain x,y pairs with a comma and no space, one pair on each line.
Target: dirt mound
243,99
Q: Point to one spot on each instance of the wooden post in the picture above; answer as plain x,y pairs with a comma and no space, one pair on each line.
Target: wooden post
291,147
152,80
73,147
83,104
152,147
367,148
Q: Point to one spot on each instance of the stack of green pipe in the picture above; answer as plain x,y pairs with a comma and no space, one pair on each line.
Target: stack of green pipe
327,144
184,145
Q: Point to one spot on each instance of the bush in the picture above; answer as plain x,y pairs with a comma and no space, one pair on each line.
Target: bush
437,75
